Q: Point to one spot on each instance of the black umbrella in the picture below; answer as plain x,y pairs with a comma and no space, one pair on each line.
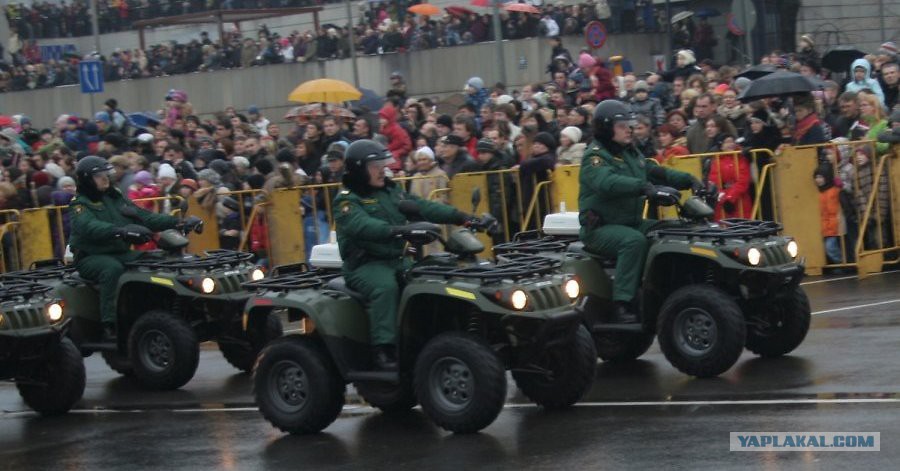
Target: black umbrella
757,71
839,58
777,83
370,101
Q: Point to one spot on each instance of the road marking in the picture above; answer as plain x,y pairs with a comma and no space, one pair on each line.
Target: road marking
841,278
364,409
858,306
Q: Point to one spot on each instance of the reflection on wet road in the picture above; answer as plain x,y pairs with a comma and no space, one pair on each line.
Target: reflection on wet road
641,414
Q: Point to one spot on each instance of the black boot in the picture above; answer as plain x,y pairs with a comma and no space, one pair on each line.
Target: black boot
109,332
385,358
624,314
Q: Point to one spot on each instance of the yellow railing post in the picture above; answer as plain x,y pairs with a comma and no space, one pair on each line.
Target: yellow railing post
38,241
285,227
795,194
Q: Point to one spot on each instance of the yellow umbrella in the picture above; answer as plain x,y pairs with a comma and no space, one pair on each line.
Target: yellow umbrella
325,91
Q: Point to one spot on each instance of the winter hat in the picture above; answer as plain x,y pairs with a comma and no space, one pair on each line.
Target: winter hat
546,139
485,145
808,39
191,183
453,140
445,120
145,138
826,171
112,103
760,115
573,133
721,89
166,171
177,95
239,161
102,116
397,74
253,109
889,48
210,176
586,61
641,86
63,181
40,178
72,120
220,166
688,56
475,82
54,170
540,98
426,151
143,177
264,166
503,99
741,84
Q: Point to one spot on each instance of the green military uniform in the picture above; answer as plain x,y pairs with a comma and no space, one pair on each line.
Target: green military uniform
372,257
99,255
611,204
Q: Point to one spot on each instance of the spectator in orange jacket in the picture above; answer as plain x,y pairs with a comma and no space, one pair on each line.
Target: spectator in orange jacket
829,211
730,172
399,142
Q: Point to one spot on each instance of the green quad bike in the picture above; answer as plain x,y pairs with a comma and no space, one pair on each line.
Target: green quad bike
462,324
168,303
709,289
34,351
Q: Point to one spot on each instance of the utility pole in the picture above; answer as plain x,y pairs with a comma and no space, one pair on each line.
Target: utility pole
352,39
498,43
95,26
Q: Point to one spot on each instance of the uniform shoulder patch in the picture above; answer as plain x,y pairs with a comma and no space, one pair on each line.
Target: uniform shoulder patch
596,161
345,207
78,209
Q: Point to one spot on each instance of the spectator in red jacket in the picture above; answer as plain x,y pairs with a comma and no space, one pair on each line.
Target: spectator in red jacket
398,139
730,172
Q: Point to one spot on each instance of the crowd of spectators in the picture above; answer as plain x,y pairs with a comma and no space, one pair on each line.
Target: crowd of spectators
692,108
385,27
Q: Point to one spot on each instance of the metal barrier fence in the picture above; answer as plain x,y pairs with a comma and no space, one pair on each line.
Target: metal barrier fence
281,226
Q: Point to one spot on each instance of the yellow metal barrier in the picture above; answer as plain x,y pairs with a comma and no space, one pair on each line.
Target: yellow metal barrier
285,227
795,192
209,239
38,245
462,188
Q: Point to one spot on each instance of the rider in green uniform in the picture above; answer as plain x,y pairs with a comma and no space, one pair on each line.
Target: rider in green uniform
614,181
368,219
104,225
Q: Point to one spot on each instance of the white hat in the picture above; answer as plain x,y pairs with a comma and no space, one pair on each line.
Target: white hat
166,171
573,133
239,161
425,150
145,138
503,99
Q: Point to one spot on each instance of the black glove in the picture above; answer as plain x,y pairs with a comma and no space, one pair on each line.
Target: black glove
728,206
697,186
397,231
189,223
133,233
649,190
464,219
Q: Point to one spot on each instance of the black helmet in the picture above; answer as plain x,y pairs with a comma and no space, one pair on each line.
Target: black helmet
356,158
85,170
606,115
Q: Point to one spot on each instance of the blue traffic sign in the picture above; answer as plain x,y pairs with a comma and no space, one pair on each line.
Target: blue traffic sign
90,75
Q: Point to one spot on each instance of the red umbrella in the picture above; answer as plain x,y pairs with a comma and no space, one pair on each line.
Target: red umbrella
459,11
521,7
481,3
425,9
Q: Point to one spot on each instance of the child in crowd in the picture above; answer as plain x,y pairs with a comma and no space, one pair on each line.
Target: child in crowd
829,211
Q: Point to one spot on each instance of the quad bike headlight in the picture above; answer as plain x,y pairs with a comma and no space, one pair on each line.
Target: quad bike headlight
573,289
793,249
754,256
257,275
208,285
519,299
55,312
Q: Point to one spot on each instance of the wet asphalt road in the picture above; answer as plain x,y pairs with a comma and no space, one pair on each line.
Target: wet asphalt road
843,378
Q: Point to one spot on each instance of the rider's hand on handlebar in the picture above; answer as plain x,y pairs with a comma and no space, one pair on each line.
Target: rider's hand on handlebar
133,233
189,224
649,190
697,186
